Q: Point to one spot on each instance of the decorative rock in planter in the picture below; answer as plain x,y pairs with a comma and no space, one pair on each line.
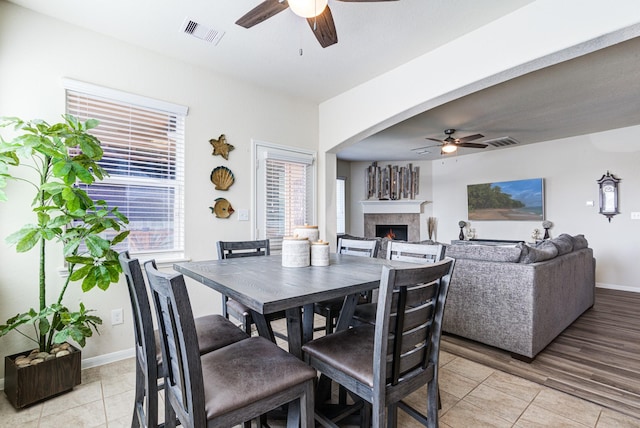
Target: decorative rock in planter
34,376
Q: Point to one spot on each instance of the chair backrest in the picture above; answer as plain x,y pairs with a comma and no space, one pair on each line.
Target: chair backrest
145,342
415,253
183,387
409,322
358,247
141,309
231,249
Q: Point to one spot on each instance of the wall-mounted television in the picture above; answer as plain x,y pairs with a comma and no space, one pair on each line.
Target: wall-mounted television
521,200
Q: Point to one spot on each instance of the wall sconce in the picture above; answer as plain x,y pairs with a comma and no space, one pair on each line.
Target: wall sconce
608,195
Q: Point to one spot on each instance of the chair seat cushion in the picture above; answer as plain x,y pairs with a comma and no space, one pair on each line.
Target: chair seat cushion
366,313
214,332
251,370
350,350
237,308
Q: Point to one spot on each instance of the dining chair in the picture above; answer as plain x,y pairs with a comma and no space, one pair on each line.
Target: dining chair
405,252
213,332
228,386
384,363
330,309
230,307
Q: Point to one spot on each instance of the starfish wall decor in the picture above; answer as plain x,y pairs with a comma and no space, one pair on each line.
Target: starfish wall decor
221,147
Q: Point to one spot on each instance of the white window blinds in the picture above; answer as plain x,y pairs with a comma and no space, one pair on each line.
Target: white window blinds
288,181
143,143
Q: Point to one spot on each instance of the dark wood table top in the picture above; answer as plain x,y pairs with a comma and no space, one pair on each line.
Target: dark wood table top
265,286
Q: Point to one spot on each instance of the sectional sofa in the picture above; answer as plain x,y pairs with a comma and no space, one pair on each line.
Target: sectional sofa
519,297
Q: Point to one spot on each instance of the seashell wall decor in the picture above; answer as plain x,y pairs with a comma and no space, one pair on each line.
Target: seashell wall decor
222,177
222,208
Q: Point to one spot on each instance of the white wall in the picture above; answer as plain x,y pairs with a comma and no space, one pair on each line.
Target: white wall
570,168
36,52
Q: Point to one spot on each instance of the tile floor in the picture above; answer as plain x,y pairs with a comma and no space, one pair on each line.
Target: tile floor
472,396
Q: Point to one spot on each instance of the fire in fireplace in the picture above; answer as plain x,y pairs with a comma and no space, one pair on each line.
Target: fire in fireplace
397,232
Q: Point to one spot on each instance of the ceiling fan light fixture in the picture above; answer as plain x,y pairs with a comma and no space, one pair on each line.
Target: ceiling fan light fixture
449,148
307,8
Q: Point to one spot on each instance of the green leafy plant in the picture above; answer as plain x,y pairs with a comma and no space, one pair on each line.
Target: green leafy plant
60,157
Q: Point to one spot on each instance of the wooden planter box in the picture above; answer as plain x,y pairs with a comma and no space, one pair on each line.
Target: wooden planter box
27,385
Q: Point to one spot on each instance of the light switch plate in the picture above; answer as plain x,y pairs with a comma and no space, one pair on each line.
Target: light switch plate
243,215
635,215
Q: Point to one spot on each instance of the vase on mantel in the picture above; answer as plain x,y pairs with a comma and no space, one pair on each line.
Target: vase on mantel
461,225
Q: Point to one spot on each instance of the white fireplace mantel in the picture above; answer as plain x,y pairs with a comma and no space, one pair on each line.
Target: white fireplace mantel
392,207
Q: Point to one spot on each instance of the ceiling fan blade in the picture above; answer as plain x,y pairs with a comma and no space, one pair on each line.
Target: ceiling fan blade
262,12
324,28
425,147
472,145
469,138
434,139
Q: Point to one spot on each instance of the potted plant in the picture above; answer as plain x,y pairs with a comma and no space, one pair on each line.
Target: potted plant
57,161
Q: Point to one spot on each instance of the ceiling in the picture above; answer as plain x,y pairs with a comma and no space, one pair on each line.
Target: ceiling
588,94
592,93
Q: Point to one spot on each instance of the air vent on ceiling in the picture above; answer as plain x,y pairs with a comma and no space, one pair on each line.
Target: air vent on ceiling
202,32
502,142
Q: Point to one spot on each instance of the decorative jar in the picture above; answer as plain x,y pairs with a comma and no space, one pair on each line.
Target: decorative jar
320,253
295,251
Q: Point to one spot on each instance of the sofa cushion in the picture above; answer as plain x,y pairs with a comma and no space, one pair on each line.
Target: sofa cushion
564,244
492,253
579,242
543,251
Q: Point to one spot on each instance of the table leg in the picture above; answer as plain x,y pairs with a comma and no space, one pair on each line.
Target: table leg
263,326
346,313
323,390
294,331
307,323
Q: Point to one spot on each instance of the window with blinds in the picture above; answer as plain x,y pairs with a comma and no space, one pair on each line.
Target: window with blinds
143,144
287,180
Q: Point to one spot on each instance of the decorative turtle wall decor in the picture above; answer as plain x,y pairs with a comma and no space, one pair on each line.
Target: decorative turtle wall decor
221,147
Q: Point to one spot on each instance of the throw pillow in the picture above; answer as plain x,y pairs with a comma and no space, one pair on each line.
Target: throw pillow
564,244
543,251
579,242
492,253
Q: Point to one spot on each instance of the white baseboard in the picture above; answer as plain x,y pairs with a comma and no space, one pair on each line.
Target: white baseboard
100,360
618,287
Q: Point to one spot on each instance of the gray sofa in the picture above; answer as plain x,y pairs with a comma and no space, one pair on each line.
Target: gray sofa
519,297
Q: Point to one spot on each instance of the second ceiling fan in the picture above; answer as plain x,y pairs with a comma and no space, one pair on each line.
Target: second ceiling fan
451,144
317,13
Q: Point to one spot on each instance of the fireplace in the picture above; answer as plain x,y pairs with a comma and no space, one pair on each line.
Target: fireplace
396,232
410,223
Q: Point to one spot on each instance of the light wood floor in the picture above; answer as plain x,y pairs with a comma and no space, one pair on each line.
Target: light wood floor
597,358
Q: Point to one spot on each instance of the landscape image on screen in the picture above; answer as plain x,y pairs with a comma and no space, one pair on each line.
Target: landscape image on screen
506,200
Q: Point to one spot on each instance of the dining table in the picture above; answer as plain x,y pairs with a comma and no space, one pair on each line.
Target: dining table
265,286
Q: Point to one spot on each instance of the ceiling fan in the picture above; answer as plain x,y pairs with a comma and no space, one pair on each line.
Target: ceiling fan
451,144
317,13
